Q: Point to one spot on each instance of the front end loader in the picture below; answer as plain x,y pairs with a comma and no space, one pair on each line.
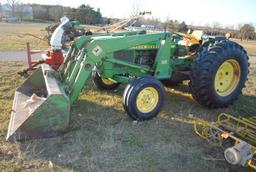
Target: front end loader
217,69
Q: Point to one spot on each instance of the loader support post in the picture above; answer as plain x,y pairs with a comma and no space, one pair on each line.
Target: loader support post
76,68
163,60
83,74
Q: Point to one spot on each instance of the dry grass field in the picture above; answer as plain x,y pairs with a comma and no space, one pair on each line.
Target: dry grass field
102,137
249,45
12,36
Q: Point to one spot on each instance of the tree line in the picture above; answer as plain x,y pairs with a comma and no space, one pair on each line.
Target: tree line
84,13
88,15
243,32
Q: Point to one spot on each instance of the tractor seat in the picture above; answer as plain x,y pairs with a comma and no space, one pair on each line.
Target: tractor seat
192,39
196,34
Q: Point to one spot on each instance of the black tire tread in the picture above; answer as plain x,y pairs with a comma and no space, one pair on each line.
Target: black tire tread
100,84
203,71
131,91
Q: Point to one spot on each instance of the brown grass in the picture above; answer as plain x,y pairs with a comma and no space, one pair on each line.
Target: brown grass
249,45
13,37
102,137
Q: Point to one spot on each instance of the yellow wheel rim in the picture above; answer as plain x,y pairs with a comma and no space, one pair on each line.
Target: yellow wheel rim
107,81
147,99
227,77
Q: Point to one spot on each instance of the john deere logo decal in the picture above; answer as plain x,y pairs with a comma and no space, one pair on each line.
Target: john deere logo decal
97,51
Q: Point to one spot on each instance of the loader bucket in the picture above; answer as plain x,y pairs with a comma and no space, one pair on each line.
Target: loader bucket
46,115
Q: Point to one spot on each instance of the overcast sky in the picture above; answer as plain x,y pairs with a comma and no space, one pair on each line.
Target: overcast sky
198,12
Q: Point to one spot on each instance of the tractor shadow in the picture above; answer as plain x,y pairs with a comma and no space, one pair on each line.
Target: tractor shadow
245,105
101,136
179,102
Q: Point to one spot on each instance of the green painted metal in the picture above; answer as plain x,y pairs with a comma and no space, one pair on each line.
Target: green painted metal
143,69
162,62
80,43
101,52
97,51
47,115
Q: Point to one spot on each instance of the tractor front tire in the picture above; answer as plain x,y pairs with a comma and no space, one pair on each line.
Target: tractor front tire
218,74
143,98
103,83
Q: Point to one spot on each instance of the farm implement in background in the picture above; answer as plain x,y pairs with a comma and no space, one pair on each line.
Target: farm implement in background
59,35
238,132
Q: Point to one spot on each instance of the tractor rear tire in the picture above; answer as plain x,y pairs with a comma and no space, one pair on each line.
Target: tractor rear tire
103,83
143,98
218,74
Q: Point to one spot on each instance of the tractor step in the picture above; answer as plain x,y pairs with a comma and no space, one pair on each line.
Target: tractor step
40,107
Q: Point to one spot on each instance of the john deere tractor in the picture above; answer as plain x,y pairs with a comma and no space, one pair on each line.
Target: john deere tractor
216,67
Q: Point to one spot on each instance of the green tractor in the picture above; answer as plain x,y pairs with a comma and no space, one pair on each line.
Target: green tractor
216,67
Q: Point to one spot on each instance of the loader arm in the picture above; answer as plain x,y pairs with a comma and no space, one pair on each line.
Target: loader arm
41,106
79,67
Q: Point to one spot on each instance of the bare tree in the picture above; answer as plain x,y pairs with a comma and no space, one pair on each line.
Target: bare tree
229,27
247,31
172,25
0,9
215,28
216,25
182,27
13,4
165,25
136,7
56,12
19,11
22,11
